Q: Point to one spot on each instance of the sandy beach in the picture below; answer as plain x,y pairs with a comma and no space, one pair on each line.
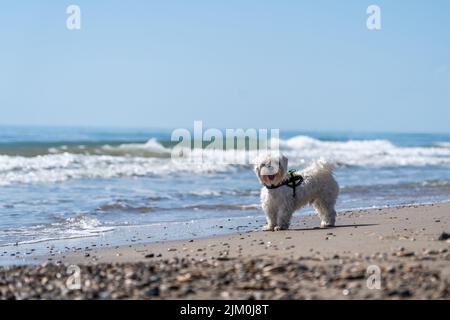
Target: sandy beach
408,245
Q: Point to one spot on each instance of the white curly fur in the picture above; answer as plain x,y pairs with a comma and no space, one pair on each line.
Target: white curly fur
319,189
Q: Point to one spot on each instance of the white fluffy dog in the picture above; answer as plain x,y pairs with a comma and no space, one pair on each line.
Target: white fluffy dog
285,192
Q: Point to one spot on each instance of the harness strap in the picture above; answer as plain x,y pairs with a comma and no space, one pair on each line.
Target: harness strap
293,182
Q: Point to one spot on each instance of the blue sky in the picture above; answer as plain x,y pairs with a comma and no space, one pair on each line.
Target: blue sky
305,65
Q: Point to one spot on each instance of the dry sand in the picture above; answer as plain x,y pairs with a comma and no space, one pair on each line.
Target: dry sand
408,244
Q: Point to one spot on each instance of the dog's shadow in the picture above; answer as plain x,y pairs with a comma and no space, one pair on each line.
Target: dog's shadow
335,227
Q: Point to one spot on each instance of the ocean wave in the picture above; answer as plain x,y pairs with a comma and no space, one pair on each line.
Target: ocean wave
301,149
81,226
220,207
66,166
152,148
214,193
423,186
443,144
124,207
152,158
121,206
363,152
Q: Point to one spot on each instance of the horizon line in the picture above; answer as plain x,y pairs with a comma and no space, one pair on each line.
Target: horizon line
155,128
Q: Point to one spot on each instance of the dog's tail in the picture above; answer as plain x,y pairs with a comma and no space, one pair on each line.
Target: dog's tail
321,167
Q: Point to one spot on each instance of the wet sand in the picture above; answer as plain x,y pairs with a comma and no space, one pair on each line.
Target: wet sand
408,245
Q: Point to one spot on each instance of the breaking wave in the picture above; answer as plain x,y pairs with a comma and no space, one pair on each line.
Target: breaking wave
62,163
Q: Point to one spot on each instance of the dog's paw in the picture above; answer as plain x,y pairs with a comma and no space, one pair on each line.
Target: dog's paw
267,228
279,228
325,225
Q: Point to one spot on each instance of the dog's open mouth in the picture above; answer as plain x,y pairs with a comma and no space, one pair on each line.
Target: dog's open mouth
271,177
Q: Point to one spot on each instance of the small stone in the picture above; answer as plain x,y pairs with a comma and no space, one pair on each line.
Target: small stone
405,254
444,236
184,278
402,292
154,292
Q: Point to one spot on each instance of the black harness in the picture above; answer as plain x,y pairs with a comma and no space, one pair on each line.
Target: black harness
293,181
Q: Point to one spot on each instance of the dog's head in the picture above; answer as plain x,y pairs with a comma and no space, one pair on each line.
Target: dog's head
271,168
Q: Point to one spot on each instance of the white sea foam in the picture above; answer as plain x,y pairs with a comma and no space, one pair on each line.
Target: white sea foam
443,144
151,145
300,150
363,152
72,228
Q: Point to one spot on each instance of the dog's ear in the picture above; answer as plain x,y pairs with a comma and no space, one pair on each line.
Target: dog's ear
258,172
256,168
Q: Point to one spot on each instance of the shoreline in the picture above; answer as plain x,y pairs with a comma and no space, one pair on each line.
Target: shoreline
41,251
365,224
408,244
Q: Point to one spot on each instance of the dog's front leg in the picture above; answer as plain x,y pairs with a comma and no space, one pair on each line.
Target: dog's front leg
283,220
271,218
